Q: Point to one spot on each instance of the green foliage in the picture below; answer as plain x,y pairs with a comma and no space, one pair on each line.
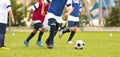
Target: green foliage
19,12
113,19
83,19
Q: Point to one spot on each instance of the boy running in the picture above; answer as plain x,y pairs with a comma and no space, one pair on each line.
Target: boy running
39,11
54,18
72,21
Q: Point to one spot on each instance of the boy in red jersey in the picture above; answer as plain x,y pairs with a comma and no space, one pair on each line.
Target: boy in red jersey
38,10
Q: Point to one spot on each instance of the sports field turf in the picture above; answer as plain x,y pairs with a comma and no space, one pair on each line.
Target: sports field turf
97,44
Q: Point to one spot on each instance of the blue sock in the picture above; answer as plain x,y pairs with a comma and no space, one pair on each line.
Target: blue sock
40,35
52,32
71,35
30,36
1,40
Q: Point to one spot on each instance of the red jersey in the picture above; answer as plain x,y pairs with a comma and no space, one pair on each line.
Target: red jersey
37,13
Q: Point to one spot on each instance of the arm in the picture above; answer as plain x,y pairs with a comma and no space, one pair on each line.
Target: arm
42,10
8,5
32,8
12,16
69,12
29,16
69,8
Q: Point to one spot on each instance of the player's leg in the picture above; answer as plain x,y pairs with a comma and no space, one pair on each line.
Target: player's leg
57,27
26,42
39,42
1,40
52,24
2,36
73,28
64,30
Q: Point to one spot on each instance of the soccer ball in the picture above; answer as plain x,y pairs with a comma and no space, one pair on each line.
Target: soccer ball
79,44
109,34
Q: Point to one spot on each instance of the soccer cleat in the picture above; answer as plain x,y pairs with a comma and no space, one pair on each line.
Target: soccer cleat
60,34
50,45
69,42
39,43
26,43
4,48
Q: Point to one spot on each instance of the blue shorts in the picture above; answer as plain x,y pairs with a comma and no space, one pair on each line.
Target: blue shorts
73,24
38,25
2,28
52,21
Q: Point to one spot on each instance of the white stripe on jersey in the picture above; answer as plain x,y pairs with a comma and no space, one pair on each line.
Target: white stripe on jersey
47,1
69,3
35,6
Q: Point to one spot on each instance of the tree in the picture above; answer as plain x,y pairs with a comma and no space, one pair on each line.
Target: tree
113,19
19,12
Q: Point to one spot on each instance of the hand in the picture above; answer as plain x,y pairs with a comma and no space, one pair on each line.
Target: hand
28,20
66,15
42,13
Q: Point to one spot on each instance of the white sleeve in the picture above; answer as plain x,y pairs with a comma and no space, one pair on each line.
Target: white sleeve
47,1
69,4
8,5
35,6
80,7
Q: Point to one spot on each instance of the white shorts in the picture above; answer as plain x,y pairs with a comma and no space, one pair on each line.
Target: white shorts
51,15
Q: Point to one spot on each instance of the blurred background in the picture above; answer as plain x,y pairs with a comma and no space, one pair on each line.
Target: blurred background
99,15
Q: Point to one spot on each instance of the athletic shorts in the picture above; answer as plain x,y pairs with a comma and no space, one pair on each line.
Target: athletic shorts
2,28
37,25
52,21
73,24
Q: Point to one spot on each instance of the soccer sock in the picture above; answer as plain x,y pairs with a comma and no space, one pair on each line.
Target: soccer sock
40,35
56,29
52,32
30,36
66,30
1,40
71,35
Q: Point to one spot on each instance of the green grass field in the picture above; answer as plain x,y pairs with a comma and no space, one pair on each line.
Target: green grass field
97,44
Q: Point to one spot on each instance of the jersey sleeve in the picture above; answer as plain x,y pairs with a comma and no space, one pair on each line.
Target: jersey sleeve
80,7
47,1
8,5
35,6
69,4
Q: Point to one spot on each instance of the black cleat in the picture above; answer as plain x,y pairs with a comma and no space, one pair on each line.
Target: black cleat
50,45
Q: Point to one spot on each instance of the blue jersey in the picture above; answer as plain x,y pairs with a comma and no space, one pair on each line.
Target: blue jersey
76,7
57,7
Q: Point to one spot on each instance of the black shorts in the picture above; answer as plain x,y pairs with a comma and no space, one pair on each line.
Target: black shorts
2,28
73,24
52,21
38,25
